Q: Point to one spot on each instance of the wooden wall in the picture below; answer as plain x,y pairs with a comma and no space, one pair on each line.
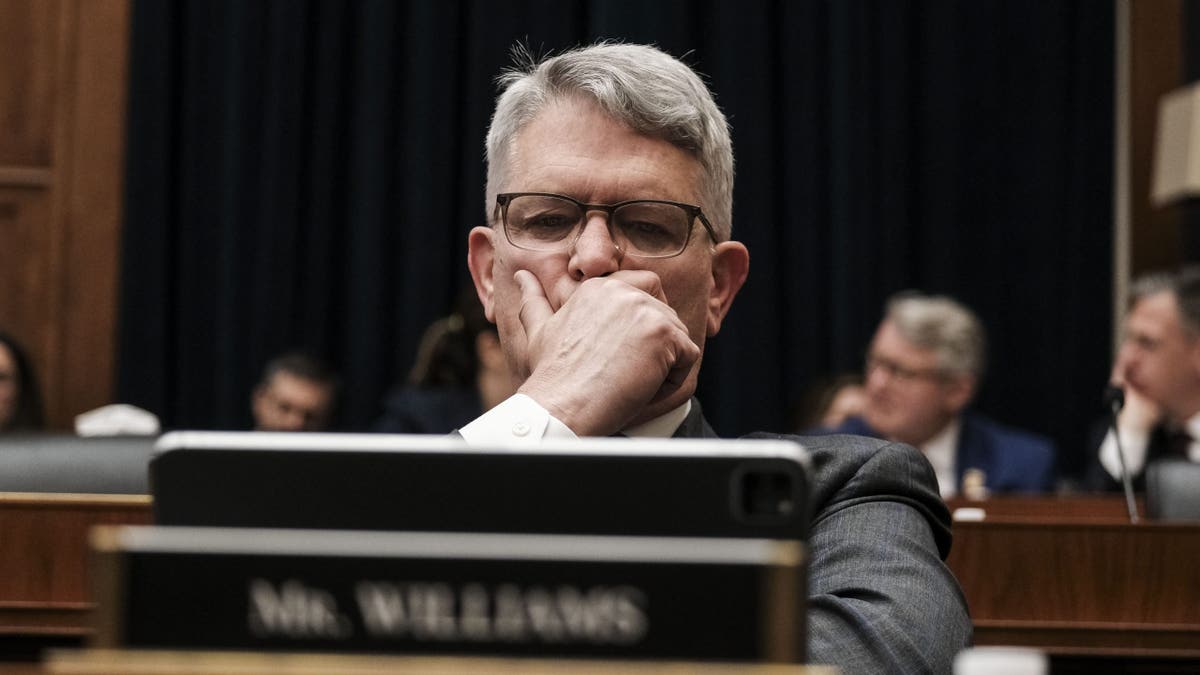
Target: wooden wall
1155,68
63,82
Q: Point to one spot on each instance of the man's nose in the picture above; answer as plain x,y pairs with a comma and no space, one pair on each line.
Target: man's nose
595,253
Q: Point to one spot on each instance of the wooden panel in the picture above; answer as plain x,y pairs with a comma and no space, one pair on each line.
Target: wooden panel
26,280
93,176
43,571
1156,67
28,31
62,99
1081,586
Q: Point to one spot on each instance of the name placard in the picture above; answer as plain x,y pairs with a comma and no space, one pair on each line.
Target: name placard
419,592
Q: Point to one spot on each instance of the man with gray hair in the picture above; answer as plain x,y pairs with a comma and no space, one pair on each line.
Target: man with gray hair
607,263
923,367
1158,366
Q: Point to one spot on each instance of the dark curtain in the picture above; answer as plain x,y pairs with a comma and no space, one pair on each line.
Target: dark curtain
303,174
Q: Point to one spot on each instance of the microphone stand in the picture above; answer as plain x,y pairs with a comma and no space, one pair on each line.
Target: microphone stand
1115,398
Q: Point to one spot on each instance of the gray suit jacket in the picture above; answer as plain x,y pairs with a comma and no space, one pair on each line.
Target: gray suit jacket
880,598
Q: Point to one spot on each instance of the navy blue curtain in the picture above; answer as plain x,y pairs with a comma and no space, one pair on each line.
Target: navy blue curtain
304,173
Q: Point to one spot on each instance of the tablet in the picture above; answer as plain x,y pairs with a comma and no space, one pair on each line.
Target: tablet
596,486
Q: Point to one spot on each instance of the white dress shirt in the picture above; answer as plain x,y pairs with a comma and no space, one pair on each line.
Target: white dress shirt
1135,443
520,420
942,453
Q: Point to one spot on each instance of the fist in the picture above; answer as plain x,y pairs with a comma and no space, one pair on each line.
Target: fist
613,349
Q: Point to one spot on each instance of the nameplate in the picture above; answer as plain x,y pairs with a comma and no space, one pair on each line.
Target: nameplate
420,592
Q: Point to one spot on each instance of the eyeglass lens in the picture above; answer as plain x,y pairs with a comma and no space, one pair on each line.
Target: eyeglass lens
547,223
897,371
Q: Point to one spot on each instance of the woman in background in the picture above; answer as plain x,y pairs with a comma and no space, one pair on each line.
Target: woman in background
460,373
20,399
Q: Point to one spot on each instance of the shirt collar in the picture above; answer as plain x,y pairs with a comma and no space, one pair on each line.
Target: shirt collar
663,426
1192,427
941,451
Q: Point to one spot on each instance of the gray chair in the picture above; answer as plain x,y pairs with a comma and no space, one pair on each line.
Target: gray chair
68,463
1173,490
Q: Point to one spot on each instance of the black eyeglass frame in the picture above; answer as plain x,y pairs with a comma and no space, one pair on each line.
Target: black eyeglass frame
694,213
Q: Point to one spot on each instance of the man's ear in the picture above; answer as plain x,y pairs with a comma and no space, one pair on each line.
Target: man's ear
481,254
959,392
730,265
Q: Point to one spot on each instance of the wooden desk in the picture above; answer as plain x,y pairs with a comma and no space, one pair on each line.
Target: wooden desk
43,564
1066,578
1049,508
1067,575
147,662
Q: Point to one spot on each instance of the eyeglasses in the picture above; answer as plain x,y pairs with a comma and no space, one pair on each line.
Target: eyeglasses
901,373
647,228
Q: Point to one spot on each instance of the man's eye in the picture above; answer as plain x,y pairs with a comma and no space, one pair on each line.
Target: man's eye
647,229
549,222
648,232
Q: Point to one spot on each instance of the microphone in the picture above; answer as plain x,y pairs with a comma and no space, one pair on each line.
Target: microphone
1114,400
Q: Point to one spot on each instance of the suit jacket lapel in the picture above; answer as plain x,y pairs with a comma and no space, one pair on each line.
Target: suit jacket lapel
694,425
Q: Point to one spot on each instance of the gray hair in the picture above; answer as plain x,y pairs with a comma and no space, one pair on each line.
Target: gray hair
641,86
1183,283
943,325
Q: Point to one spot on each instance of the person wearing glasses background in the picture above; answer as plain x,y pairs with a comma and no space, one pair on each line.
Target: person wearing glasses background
297,392
607,263
923,367
1158,369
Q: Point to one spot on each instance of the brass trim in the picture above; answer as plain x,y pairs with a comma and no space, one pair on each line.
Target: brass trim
55,498
784,630
108,582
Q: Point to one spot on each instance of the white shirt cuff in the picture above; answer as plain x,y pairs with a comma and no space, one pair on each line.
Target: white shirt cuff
517,421
1134,442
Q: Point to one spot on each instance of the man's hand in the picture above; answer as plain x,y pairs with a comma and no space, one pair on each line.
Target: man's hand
1139,413
612,349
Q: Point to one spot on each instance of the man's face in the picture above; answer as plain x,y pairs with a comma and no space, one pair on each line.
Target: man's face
1159,358
909,398
291,403
573,148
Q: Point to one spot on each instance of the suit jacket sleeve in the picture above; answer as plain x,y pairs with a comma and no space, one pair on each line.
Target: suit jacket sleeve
880,598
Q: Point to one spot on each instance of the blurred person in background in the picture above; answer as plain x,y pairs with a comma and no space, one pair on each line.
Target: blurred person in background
1158,367
20,398
460,373
923,368
297,392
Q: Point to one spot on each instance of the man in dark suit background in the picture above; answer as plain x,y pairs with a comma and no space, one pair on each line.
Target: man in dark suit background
923,368
606,264
1158,367
297,392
